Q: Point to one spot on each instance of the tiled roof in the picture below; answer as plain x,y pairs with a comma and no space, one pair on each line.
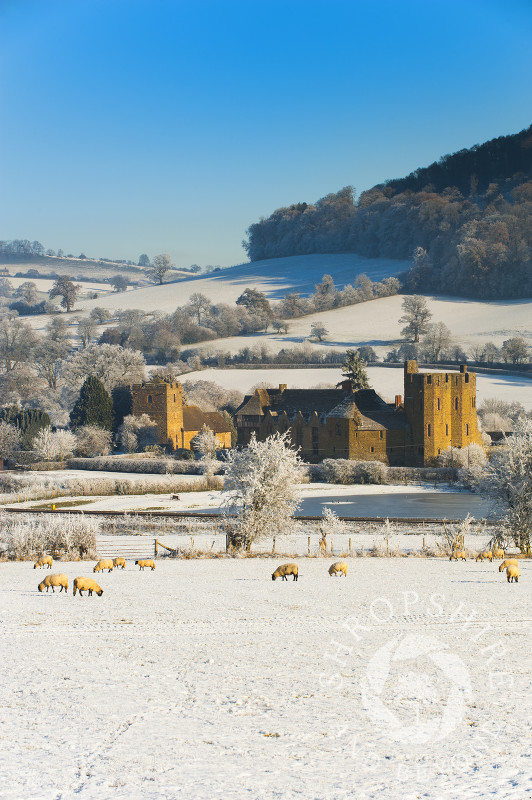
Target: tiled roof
194,419
369,410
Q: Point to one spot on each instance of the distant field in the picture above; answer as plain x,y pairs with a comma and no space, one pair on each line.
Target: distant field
374,323
387,381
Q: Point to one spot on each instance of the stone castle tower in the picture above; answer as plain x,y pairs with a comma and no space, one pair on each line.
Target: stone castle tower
163,402
441,409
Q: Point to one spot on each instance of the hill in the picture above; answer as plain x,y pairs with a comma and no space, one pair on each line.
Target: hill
464,223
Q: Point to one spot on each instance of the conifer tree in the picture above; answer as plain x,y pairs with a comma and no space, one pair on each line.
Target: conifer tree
355,370
93,406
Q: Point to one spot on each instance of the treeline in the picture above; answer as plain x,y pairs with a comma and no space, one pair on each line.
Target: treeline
161,338
466,223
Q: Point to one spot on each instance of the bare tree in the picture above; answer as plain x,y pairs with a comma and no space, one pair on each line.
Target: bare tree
86,330
416,316
160,265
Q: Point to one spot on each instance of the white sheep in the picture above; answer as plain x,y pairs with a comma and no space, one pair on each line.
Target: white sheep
119,562
146,562
339,567
58,579
456,555
512,573
498,553
284,570
508,562
486,554
105,564
82,584
44,561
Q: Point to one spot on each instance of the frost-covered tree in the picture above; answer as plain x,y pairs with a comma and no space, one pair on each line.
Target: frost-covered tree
507,478
416,317
260,490
112,364
436,340
205,444
66,290
10,439
49,445
92,441
160,265
318,331
355,370
137,433
27,292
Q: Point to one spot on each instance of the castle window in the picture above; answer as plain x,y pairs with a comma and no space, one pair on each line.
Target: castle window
474,402
438,403
420,450
429,378
381,434
456,404
428,429
467,377
467,429
174,398
372,449
446,378
149,398
438,380
446,430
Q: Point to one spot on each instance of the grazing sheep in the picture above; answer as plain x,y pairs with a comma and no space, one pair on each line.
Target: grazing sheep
86,584
119,562
284,570
44,561
105,564
498,553
58,579
512,573
146,562
507,563
339,567
487,554
458,554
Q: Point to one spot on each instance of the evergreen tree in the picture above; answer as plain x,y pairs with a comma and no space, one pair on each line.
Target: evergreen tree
93,406
29,422
122,405
355,371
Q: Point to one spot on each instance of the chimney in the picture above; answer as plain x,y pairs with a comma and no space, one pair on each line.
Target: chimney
398,401
463,367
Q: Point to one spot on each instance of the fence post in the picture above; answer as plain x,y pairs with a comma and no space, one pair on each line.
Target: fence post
155,547
191,543
387,545
349,544
273,547
309,545
423,543
331,546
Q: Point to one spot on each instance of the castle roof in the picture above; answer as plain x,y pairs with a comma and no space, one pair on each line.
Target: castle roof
365,406
194,419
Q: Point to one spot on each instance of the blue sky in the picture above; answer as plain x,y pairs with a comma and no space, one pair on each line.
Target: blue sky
133,126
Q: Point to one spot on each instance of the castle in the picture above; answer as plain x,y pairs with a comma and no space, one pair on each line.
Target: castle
177,424
438,411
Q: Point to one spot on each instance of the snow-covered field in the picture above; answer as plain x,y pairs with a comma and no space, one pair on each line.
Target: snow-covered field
206,680
387,381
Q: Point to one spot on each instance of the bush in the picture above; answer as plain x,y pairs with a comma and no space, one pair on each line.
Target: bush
60,535
157,466
341,470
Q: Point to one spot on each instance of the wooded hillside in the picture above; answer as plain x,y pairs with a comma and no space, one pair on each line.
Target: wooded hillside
465,221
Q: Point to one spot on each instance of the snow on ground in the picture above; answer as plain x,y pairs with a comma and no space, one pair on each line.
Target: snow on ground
376,323
45,284
387,381
206,680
